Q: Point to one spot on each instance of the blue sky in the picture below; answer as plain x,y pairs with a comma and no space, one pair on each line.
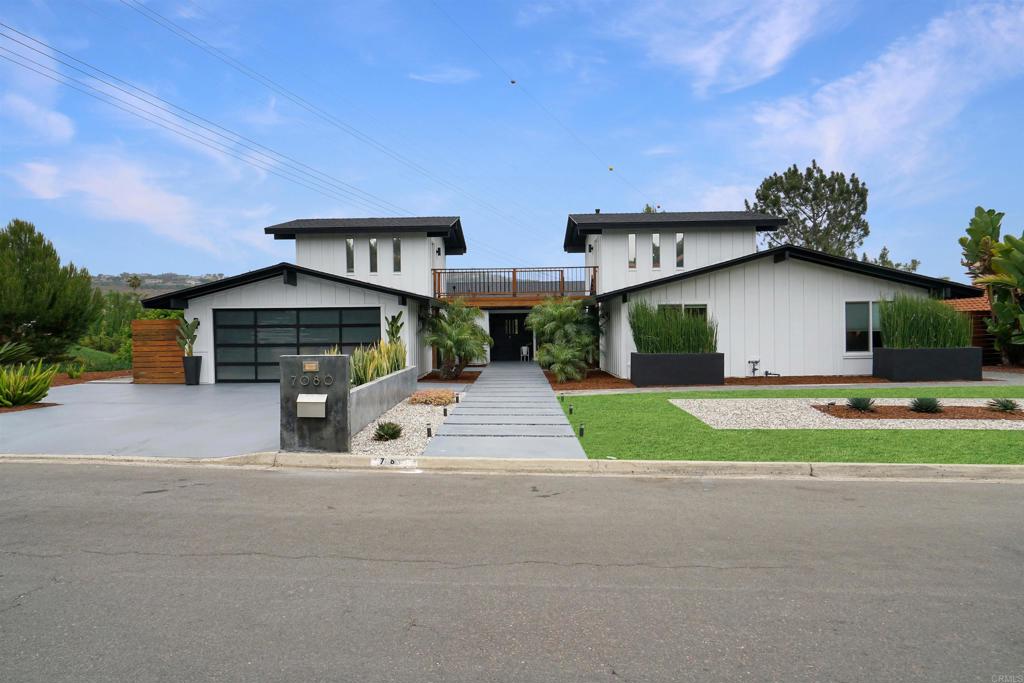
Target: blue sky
691,104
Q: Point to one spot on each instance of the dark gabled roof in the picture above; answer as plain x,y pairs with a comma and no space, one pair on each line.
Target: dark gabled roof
945,289
580,225
287,271
448,227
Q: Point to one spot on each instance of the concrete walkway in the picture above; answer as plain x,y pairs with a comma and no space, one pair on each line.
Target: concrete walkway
509,412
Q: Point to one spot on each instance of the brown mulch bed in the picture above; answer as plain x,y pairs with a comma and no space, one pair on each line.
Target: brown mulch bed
1004,368
30,406
595,379
805,379
464,378
61,379
905,413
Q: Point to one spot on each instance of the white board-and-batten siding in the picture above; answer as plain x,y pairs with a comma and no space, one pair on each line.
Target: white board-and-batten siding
791,316
308,292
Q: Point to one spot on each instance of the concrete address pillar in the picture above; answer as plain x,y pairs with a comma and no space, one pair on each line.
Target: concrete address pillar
311,378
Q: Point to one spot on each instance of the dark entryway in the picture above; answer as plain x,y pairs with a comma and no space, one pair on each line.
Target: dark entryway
508,330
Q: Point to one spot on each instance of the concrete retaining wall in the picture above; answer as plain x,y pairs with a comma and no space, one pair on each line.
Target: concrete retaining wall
369,401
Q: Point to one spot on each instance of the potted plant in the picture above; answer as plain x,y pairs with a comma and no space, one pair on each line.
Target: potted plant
186,340
924,340
673,348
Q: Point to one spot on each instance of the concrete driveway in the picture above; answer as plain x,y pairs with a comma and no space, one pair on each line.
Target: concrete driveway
161,420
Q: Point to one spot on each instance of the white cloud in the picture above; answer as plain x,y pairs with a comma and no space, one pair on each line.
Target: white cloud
446,75
891,111
49,125
725,44
661,151
724,197
109,187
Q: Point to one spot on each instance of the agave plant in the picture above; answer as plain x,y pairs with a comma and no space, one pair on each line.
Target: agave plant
861,404
387,431
926,405
1004,405
25,383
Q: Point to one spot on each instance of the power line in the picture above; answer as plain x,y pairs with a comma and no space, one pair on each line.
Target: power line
370,200
324,115
519,86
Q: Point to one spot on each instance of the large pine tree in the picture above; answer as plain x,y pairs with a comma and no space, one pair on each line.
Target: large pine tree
42,303
824,212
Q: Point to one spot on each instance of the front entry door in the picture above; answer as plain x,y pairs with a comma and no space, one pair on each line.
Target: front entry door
508,330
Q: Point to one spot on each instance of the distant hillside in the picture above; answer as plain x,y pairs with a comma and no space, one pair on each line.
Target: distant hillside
150,284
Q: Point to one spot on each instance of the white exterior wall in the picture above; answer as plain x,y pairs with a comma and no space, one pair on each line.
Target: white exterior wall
702,248
790,315
309,292
419,254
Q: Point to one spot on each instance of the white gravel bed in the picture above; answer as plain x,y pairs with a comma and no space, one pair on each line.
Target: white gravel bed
414,420
797,413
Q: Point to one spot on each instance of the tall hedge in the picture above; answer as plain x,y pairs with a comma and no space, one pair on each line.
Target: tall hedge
42,303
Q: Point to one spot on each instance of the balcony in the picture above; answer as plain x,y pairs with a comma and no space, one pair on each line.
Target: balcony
498,287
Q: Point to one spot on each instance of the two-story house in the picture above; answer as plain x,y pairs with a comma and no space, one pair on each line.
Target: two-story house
794,310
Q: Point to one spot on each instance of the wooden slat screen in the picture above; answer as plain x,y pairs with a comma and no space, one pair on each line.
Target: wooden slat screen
156,356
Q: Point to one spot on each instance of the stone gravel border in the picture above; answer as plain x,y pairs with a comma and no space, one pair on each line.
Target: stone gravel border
797,413
414,419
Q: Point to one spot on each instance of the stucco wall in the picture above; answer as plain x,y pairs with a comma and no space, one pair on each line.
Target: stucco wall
788,315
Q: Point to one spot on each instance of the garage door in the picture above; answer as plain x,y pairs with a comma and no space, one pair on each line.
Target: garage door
249,342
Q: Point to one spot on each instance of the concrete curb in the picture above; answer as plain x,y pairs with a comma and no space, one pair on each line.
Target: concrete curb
646,468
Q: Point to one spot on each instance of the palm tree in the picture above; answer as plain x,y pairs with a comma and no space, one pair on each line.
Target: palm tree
456,336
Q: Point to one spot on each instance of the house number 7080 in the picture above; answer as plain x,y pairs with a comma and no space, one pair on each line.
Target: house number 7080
306,380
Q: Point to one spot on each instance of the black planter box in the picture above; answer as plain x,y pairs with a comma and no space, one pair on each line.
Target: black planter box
671,369
927,365
192,364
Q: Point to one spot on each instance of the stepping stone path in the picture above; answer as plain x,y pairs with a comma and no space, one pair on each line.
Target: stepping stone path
509,412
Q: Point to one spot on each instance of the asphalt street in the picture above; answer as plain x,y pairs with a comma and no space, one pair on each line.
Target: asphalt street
148,573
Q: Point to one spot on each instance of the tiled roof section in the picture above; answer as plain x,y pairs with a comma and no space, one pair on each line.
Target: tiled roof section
977,303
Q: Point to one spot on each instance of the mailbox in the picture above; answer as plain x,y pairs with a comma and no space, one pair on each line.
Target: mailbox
311,405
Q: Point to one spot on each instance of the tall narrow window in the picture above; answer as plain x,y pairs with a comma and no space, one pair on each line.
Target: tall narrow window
680,250
876,327
631,238
396,254
858,326
656,250
373,254
350,255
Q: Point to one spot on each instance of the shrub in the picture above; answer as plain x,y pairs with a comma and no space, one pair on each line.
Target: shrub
861,404
910,322
433,397
926,405
670,330
387,431
1005,405
567,323
567,362
373,362
74,370
25,383
14,352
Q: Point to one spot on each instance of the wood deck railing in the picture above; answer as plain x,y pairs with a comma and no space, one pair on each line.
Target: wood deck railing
515,283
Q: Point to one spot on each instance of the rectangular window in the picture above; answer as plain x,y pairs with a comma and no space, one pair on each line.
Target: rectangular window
696,310
858,327
679,250
876,326
350,255
396,254
655,250
631,238
373,254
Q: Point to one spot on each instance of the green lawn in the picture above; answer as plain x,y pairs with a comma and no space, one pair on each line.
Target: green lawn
648,427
